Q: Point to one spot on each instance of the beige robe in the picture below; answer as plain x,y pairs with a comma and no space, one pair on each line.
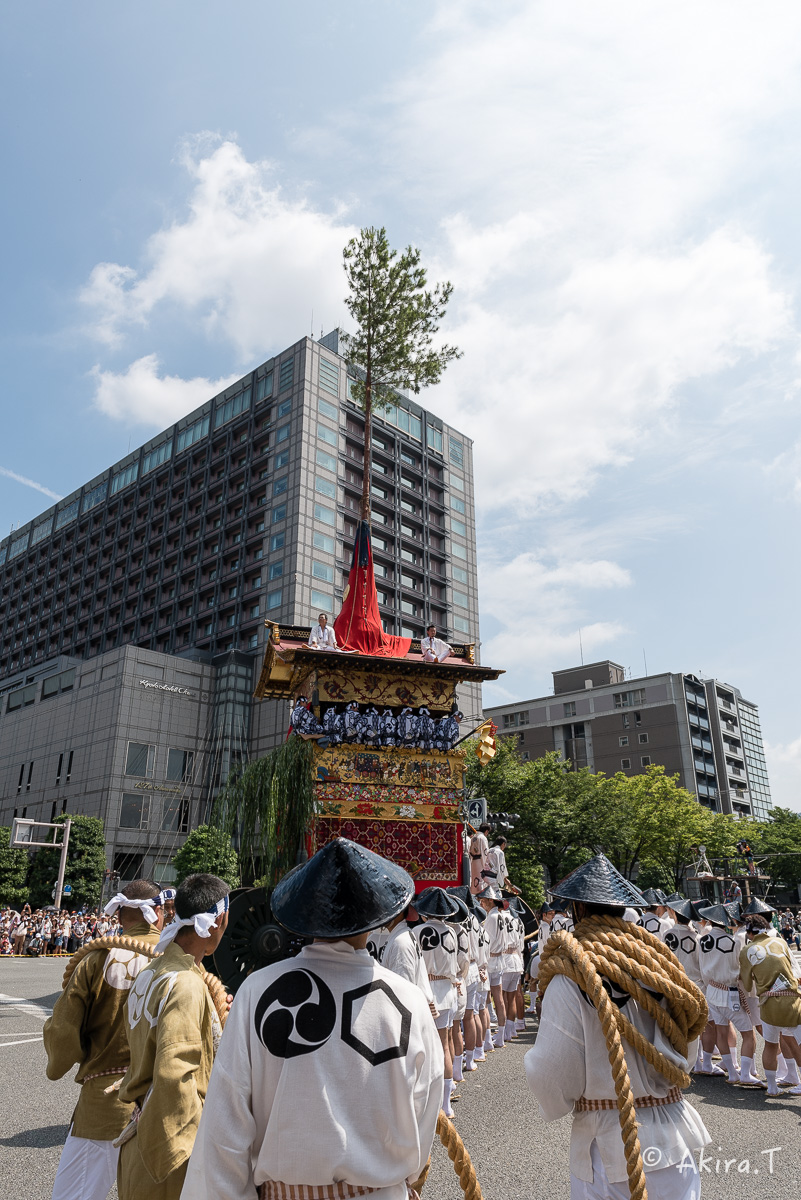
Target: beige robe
172,1027
87,1028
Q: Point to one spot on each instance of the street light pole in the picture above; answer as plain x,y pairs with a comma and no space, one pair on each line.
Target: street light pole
62,864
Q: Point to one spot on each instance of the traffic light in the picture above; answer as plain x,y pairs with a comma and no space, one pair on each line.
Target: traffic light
486,743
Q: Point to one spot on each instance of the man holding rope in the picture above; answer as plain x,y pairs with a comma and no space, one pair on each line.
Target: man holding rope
613,994
88,1028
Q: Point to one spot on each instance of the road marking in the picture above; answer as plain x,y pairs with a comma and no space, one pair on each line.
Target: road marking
26,1042
26,1006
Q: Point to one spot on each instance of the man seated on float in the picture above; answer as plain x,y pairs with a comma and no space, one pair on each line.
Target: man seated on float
322,636
433,648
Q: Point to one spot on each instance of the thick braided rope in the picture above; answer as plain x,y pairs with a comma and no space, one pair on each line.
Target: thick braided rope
635,960
458,1155
121,942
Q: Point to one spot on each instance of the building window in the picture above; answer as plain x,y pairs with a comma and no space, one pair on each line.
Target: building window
321,541
321,600
409,608
625,764
187,437
511,720
54,684
140,760
642,738
625,720
273,600
264,388
23,697
434,437
457,505
180,765
321,571
624,741
280,485
570,708
458,527
646,760
327,410
154,458
253,641
286,374
281,435
279,514
460,624
325,487
326,515
281,459
276,541
461,599
327,435
629,699
126,477
175,815
276,571
329,376
459,551
284,409
254,610
231,408
456,451
324,459
135,812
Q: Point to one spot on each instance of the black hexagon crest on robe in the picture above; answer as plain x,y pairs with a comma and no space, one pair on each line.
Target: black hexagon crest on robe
391,1040
295,1015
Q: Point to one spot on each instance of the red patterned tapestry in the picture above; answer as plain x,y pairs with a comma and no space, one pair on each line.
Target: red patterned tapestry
426,851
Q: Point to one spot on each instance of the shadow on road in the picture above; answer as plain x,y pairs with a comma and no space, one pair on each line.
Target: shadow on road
47,1135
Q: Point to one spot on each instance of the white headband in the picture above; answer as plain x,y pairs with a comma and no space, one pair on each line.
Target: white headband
146,906
203,923
167,894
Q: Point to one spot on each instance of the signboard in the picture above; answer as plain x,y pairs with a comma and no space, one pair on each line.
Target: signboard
165,687
476,811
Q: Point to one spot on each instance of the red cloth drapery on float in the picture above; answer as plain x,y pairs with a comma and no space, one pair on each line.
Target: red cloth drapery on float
358,626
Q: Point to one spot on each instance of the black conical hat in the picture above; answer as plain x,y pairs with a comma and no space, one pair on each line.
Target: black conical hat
463,911
716,914
517,906
435,902
343,890
673,897
598,882
682,908
757,908
733,909
653,897
464,893
698,905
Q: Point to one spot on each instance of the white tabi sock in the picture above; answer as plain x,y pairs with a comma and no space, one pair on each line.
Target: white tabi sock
771,1078
509,1030
747,1074
706,1060
498,1039
468,1060
457,1068
520,1026
447,1107
478,1053
726,1059
488,1043
789,1072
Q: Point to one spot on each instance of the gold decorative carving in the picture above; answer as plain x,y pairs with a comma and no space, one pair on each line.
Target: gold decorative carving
392,766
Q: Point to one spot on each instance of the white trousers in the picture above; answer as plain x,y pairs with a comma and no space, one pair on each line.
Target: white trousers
87,1170
669,1183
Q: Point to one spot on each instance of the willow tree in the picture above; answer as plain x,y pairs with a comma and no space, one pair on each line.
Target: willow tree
396,319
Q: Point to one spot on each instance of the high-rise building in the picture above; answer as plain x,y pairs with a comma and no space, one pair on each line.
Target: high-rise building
159,574
702,730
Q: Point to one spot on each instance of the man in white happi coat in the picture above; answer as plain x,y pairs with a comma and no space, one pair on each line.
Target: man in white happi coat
438,941
328,1079
495,872
478,849
569,1072
719,962
657,918
495,929
322,636
402,955
433,648
682,939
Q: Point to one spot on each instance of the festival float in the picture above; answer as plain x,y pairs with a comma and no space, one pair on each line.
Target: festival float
377,758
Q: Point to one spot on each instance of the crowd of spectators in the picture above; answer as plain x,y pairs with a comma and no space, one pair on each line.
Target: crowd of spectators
50,931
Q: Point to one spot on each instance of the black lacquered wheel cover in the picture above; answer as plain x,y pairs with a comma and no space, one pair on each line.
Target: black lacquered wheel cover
253,939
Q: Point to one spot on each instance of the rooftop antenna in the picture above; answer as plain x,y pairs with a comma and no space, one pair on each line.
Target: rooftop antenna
311,326
644,660
581,649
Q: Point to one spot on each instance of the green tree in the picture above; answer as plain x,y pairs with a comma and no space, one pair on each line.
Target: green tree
86,863
13,872
208,851
396,319
782,832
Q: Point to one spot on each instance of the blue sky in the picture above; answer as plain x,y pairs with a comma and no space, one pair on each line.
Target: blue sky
613,191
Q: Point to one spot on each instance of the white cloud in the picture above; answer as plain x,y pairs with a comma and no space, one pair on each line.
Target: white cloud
248,262
784,773
535,607
141,395
31,483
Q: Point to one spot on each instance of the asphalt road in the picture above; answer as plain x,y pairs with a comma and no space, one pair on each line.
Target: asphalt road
516,1155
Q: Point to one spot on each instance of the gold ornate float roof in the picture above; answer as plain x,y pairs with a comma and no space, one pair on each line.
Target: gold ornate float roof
290,665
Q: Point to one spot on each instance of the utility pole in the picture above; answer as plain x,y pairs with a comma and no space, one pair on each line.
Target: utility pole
62,863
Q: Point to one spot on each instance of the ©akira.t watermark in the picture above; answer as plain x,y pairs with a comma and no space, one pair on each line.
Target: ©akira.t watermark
716,1164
